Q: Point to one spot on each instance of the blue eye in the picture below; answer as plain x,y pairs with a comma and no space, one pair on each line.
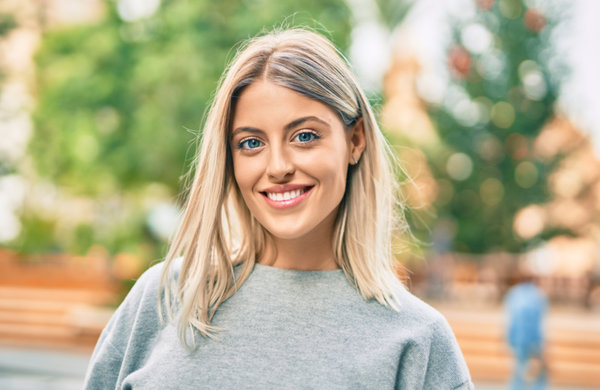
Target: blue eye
306,137
251,143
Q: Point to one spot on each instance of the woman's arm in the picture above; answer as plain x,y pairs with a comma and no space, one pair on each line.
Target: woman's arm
434,360
128,337
105,365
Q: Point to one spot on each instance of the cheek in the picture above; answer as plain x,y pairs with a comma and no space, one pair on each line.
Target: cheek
246,172
330,169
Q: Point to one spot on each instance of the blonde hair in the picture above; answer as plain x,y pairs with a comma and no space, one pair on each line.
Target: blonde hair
218,231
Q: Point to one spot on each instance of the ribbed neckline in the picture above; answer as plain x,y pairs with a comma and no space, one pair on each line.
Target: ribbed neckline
268,270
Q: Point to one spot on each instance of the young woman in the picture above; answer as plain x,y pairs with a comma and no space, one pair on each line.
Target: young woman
281,274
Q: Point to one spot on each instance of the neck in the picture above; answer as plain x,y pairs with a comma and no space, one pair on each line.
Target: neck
311,252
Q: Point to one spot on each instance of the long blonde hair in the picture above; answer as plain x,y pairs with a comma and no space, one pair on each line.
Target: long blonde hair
218,231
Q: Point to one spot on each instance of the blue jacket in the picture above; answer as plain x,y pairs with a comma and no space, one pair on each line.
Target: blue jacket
526,306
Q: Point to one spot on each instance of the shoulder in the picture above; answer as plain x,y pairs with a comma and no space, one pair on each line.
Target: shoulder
417,325
129,334
152,276
432,357
416,315
149,282
427,328
139,310
146,286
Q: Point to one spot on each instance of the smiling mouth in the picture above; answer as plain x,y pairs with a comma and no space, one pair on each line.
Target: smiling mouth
287,199
286,196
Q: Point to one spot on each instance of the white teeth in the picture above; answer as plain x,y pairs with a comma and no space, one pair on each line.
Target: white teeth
279,197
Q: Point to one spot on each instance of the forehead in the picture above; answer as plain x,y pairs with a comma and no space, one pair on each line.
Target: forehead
269,104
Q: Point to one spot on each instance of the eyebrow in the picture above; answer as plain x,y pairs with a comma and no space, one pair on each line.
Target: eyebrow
289,126
300,121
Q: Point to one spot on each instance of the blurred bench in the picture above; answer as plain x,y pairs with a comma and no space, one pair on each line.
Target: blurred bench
572,345
55,301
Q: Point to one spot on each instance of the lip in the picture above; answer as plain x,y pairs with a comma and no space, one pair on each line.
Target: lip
285,188
285,204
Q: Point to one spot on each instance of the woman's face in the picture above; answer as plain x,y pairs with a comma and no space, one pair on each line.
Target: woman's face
290,158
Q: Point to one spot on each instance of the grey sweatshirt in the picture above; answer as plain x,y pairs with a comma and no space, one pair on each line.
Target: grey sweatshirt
283,329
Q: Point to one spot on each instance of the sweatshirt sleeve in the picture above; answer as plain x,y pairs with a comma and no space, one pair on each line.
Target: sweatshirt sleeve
105,365
434,361
125,342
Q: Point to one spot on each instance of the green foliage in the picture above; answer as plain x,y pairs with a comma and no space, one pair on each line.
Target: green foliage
116,99
506,175
38,235
7,23
392,12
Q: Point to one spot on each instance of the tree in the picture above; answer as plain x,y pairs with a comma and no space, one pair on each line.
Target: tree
505,79
7,24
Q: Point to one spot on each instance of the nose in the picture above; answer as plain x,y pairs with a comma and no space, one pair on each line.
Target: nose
280,164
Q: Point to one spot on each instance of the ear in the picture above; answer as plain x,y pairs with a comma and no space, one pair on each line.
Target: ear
357,141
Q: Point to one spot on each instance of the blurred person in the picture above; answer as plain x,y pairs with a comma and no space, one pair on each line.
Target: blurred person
526,306
281,274
440,267
593,285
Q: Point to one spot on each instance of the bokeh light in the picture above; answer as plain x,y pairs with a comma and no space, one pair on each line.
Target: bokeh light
503,115
459,166
491,191
526,174
530,221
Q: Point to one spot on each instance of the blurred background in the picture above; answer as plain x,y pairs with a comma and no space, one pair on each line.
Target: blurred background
492,106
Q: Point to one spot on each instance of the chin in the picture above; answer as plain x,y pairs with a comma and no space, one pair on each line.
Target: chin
287,231
293,227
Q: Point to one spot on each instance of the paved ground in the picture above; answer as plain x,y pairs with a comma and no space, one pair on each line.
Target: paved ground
22,369
498,386
41,370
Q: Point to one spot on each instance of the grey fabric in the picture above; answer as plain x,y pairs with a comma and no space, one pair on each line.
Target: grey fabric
283,329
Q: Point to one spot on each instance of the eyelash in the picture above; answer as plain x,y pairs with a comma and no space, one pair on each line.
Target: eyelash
240,145
316,136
